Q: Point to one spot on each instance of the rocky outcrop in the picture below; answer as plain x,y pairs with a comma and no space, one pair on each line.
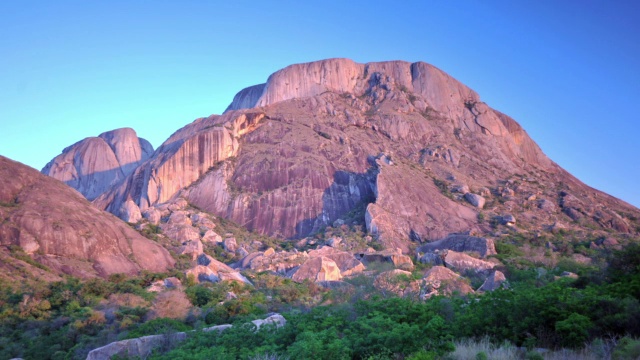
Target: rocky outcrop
316,269
209,269
320,141
464,262
138,347
180,161
58,227
494,281
392,256
96,164
398,282
346,262
441,281
462,243
143,346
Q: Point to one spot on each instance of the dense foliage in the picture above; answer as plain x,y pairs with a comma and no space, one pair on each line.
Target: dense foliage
65,320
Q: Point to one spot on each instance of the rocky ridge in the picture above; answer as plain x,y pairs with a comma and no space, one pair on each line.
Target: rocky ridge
60,229
95,164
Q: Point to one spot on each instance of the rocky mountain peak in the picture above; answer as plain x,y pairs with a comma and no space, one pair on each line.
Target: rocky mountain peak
346,76
94,164
402,149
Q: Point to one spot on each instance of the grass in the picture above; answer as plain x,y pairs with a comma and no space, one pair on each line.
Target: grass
469,349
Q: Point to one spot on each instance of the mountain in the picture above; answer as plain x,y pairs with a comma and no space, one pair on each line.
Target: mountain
58,228
403,147
95,164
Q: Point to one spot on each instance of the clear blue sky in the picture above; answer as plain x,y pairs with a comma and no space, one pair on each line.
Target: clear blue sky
568,71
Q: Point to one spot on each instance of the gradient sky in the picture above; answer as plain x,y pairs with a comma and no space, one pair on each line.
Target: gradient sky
568,71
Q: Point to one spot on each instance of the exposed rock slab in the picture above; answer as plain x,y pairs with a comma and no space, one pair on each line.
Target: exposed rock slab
462,243
95,164
464,262
316,269
61,229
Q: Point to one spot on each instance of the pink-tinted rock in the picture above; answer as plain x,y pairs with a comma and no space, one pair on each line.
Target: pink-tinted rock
317,269
464,262
494,281
95,164
347,263
66,233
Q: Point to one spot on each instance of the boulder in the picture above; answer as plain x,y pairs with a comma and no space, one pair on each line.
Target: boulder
142,347
130,212
316,269
280,262
211,236
493,282
135,348
460,188
398,282
475,200
192,247
509,220
441,281
464,262
462,243
432,258
546,205
347,263
230,244
393,256
211,270
275,320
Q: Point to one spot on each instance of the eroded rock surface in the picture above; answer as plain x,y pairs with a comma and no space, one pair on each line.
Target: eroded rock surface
58,227
95,164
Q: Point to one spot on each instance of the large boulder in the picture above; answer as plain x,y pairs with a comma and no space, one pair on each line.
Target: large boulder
441,281
209,269
347,263
462,243
317,269
493,282
464,262
392,256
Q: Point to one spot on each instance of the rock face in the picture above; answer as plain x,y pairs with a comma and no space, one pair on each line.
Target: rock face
319,141
95,164
61,229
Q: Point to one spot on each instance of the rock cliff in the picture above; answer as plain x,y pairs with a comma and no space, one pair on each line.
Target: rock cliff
403,147
95,164
59,228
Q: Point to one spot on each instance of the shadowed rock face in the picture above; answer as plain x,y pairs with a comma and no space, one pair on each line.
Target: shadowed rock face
319,140
62,230
95,164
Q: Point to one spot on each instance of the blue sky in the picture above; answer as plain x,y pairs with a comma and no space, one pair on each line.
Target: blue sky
568,71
